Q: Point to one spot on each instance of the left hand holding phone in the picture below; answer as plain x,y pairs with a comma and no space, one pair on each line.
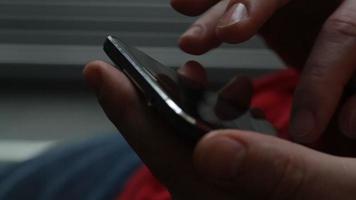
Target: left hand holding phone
229,164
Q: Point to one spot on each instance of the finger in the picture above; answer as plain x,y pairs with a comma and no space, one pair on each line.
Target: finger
96,74
201,36
194,75
192,7
150,135
256,166
327,71
235,98
244,18
347,118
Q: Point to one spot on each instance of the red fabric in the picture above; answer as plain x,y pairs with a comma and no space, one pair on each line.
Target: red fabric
273,94
143,186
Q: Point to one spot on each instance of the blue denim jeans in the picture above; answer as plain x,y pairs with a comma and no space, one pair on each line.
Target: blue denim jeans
96,168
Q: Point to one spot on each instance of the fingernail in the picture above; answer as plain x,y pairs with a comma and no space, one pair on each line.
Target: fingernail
302,127
221,158
193,75
194,31
235,14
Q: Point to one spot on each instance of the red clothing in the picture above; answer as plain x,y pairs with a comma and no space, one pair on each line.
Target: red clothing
273,95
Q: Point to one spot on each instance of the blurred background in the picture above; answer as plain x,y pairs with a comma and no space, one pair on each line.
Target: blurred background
44,45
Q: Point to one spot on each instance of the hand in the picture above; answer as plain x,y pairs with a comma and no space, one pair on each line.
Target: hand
226,164
315,34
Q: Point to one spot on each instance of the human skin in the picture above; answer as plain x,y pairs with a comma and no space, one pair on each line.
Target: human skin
224,164
316,36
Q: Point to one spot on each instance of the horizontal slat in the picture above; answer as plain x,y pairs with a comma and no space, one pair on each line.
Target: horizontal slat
56,2
84,38
122,25
79,55
97,38
89,11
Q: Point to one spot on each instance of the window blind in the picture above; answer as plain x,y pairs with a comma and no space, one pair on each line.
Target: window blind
71,32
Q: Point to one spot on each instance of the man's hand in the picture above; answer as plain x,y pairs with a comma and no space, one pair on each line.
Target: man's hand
315,34
228,164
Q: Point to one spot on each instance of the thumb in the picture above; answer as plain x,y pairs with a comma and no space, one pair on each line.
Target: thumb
257,166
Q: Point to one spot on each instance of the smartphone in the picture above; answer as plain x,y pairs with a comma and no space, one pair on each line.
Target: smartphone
190,112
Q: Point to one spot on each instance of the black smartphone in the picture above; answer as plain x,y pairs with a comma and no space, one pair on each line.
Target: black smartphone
190,111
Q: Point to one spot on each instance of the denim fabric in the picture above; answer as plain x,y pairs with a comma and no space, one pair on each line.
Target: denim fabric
96,168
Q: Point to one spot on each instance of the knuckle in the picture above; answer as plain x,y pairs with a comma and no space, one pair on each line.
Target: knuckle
344,25
312,84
